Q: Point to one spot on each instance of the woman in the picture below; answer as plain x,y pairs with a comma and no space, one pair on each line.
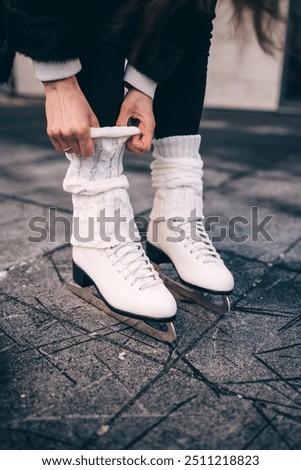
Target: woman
79,53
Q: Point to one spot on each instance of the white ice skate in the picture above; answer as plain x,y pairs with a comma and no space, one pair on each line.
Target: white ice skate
106,255
176,230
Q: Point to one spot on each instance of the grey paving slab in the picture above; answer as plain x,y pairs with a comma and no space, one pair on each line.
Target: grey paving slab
236,226
283,425
291,259
120,436
186,417
251,140
278,190
235,421
34,174
51,432
277,293
153,411
247,273
213,178
32,386
229,358
15,244
140,191
38,435
44,328
19,153
129,370
45,309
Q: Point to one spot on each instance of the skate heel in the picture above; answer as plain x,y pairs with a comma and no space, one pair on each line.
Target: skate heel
155,254
80,277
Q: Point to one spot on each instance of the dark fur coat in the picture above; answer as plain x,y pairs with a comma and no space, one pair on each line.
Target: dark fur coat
56,30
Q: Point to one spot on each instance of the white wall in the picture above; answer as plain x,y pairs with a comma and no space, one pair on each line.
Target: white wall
240,74
25,81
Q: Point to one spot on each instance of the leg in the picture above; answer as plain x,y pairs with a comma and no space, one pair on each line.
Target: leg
178,103
177,174
106,252
101,79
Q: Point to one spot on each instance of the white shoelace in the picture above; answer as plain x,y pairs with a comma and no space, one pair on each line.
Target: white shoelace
135,263
199,241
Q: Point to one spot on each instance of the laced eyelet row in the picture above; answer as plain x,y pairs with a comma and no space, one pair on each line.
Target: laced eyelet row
203,246
136,263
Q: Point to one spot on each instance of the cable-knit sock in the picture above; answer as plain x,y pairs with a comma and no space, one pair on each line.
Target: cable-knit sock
177,173
103,215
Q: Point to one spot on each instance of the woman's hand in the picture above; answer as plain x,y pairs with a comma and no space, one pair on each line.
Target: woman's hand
137,105
69,117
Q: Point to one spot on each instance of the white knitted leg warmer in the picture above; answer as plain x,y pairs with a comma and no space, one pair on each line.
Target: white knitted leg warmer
103,215
177,173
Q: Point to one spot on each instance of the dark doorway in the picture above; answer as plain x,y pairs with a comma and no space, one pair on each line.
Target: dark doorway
291,85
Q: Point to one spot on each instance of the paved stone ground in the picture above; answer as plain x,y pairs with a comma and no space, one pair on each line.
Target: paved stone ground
72,378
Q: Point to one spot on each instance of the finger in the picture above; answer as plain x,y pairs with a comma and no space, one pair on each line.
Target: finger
57,140
146,142
75,147
56,145
133,148
147,134
137,142
64,144
86,144
60,142
143,142
123,117
94,121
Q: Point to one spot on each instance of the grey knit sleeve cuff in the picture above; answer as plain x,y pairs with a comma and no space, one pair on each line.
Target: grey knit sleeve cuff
49,71
140,81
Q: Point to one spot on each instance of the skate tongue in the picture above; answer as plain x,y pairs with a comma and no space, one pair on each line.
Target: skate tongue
136,264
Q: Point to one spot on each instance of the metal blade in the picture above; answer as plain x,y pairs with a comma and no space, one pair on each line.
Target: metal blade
85,293
194,295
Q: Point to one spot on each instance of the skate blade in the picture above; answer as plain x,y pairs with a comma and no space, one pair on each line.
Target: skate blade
85,293
194,295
